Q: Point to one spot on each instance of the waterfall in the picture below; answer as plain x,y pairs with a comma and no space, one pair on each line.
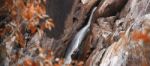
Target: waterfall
77,40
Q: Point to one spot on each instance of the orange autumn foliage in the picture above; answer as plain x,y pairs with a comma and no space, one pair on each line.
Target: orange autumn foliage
20,39
137,35
28,12
40,10
28,62
3,31
31,12
57,65
32,27
47,24
25,19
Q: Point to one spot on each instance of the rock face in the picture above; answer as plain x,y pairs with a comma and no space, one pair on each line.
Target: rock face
112,40
110,7
122,47
129,51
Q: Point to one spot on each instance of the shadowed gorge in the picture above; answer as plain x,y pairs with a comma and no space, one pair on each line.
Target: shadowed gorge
58,10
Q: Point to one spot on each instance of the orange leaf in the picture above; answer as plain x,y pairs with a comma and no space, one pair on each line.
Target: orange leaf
80,63
28,62
35,64
57,65
5,30
32,27
20,39
19,4
40,10
47,25
19,65
137,35
28,12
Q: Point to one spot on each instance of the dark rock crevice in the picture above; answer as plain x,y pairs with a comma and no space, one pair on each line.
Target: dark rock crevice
58,10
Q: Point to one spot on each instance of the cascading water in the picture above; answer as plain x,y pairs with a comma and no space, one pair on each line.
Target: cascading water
78,39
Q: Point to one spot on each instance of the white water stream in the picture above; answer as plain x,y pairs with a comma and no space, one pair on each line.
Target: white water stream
77,40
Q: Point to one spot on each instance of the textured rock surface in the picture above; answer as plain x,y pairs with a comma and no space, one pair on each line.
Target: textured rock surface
105,45
122,50
129,51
